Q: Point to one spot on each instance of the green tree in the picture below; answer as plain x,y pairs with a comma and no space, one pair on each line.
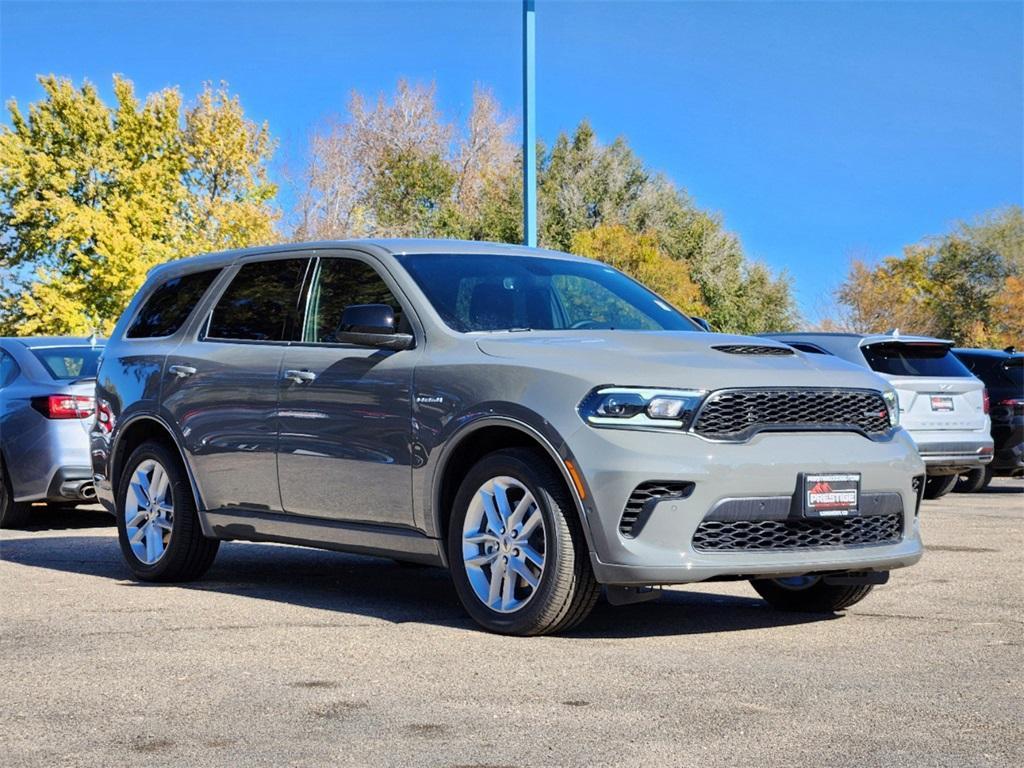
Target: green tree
93,196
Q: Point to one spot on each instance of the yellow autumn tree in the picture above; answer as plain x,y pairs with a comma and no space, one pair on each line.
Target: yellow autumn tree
93,196
639,256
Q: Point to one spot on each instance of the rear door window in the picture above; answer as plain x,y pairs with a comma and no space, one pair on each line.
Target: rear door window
169,306
914,359
69,362
261,303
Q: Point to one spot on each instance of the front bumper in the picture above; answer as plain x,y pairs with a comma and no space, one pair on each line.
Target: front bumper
615,462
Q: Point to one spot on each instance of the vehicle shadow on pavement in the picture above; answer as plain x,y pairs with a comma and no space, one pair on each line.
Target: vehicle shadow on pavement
382,589
48,518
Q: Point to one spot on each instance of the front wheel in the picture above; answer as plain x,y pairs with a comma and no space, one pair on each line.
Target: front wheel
809,594
516,547
157,524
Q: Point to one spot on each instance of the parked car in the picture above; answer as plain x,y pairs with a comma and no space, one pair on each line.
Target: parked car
943,406
1002,371
538,423
46,404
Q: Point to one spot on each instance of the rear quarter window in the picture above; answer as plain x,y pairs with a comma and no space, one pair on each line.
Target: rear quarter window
169,306
8,368
910,359
69,362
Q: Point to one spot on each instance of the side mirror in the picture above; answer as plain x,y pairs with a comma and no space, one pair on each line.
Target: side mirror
702,323
371,325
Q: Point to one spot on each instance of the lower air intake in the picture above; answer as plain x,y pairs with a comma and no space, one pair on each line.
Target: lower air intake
746,535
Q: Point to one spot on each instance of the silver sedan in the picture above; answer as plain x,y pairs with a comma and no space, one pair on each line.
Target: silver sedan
47,403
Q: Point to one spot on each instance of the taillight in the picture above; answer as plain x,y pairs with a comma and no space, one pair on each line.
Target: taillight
65,406
984,400
104,416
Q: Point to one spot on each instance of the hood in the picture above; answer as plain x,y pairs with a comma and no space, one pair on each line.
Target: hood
680,359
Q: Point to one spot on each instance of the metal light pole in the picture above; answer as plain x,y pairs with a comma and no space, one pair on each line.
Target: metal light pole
529,125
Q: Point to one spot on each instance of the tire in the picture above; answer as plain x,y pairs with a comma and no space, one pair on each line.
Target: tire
564,589
973,481
815,596
184,553
936,487
13,514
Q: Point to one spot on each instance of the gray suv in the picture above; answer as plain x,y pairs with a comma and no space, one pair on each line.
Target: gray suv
538,423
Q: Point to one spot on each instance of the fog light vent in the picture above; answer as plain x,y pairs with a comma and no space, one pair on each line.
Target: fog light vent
642,501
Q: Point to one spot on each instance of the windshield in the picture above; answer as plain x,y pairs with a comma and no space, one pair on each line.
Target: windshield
69,362
485,292
914,359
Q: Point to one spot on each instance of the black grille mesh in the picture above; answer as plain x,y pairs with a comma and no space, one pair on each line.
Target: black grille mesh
644,493
744,535
753,349
736,414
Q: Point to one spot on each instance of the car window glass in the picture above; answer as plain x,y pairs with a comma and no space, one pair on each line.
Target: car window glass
587,302
261,303
8,368
914,359
341,283
500,292
169,306
69,362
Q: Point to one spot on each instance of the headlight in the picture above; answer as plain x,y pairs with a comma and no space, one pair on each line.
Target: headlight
632,407
892,405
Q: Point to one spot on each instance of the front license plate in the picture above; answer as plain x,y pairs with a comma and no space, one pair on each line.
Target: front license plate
942,403
835,495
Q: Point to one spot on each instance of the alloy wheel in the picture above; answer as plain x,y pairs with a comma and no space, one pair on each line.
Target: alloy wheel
149,511
503,544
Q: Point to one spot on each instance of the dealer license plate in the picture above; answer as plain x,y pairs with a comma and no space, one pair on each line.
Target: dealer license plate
831,495
942,403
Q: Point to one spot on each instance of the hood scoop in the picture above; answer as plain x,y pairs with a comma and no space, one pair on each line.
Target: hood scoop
753,349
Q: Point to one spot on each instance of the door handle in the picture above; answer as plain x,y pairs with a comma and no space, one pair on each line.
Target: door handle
299,377
182,371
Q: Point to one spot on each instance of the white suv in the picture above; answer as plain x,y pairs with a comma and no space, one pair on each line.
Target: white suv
942,405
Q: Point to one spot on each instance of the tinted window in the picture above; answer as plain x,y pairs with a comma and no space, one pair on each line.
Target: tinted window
261,304
170,305
910,359
341,283
500,292
69,362
1014,371
8,368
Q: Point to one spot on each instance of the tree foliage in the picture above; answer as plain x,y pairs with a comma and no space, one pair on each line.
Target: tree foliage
92,196
965,285
399,169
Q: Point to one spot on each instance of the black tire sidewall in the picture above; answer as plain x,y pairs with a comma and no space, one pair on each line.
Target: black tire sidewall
181,499
551,503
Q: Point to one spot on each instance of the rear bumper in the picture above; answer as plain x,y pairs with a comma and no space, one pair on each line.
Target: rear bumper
946,453
44,461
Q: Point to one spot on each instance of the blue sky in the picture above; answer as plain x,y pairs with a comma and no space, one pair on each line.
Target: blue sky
818,130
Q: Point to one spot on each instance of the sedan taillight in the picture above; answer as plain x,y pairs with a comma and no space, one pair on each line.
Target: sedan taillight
65,406
984,400
1015,404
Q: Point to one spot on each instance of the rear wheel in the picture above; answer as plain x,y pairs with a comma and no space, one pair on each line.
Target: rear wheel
157,525
13,514
809,594
973,481
517,551
936,487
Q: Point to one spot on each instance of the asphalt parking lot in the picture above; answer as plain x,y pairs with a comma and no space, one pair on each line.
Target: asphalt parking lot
286,656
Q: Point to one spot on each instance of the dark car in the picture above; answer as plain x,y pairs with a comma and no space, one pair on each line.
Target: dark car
1003,374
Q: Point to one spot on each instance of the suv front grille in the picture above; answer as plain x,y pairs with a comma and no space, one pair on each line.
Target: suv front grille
745,535
737,414
753,349
642,500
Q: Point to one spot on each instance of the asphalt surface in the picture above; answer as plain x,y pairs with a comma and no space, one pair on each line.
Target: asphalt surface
285,656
